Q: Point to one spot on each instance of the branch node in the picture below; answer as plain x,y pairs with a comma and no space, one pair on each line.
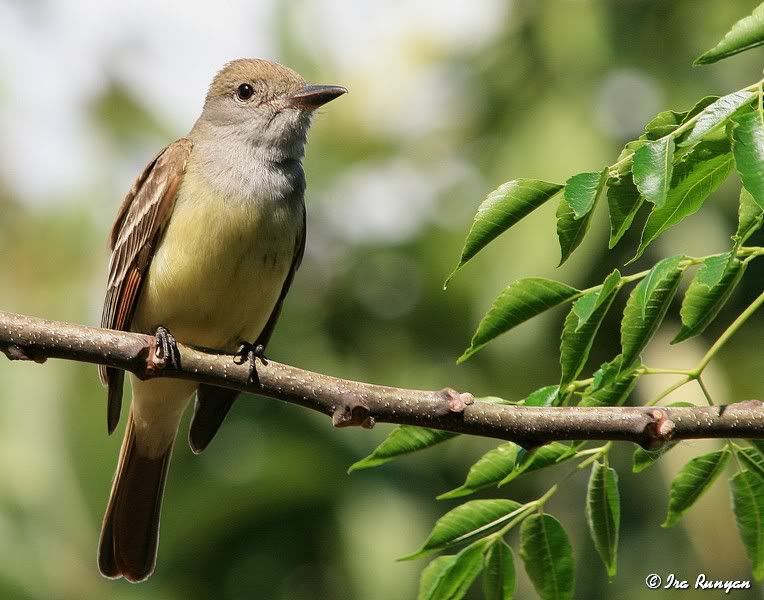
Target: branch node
163,353
149,361
349,414
16,352
659,429
153,363
456,402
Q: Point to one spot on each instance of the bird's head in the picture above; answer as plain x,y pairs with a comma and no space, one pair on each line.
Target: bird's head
265,103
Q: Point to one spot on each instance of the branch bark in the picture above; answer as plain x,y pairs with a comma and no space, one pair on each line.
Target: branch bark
358,403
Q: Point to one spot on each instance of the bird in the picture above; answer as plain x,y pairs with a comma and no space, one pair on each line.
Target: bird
204,249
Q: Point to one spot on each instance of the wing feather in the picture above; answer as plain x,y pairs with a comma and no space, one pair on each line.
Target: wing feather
140,222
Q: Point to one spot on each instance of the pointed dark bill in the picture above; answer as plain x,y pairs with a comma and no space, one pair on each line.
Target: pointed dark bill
313,96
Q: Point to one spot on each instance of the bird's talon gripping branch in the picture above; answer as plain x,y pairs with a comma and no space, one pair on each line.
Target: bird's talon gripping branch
250,353
456,402
165,350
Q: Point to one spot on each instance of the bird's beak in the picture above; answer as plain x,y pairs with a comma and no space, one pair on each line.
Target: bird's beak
311,97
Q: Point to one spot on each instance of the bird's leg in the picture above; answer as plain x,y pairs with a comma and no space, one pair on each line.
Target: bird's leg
249,353
166,348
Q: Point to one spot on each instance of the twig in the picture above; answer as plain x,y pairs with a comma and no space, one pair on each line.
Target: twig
357,403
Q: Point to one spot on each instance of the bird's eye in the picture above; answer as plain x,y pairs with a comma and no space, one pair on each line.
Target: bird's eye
244,91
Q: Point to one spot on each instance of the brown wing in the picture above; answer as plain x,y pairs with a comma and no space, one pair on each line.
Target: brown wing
212,402
140,222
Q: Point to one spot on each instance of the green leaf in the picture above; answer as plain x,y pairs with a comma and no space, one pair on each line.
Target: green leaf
709,291
663,124
432,575
653,165
548,557
699,107
753,460
615,391
404,439
695,178
522,300
490,469
466,521
694,479
538,458
646,458
627,155
653,283
748,148
581,326
712,271
451,579
504,207
570,229
647,305
716,114
603,514
747,33
499,578
624,202
545,396
607,373
587,307
758,445
750,217
748,505
581,191
612,384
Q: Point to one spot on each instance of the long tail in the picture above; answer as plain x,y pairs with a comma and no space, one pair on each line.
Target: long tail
130,531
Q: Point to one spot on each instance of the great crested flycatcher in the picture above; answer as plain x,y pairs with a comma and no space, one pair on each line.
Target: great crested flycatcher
205,246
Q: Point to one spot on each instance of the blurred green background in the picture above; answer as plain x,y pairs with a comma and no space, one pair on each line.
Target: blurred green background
447,101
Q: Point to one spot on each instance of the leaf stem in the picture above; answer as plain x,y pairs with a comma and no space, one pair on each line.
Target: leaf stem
670,389
601,451
728,333
588,452
694,374
705,391
539,503
613,169
750,251
523,513
578,384
735,449
745,251
655,371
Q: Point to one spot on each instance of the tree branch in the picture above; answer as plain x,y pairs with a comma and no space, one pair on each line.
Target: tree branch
357,403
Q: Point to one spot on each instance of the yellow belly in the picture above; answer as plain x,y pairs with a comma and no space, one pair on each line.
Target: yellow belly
219,269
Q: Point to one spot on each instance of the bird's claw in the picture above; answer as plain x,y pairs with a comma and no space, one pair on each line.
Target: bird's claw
250,353
166,349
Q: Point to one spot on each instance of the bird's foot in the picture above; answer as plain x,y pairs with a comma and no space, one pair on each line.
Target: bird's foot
250,353
166,349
